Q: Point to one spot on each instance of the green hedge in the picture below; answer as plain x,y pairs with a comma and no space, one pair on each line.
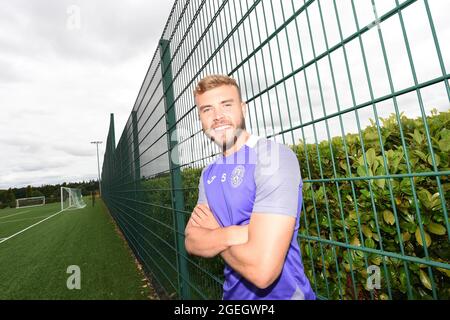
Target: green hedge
350,206
346,210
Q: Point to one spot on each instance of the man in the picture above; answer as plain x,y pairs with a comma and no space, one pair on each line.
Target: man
249,203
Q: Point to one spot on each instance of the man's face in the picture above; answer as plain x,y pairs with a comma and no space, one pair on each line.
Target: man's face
222,113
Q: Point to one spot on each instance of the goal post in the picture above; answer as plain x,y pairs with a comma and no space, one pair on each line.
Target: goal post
71,198
30,202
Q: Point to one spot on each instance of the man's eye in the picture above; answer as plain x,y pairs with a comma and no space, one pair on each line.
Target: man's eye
206,109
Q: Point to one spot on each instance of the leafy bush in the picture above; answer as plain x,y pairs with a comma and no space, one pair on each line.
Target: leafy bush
382,214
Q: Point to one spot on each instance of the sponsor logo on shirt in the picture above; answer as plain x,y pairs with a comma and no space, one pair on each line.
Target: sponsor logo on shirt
211,179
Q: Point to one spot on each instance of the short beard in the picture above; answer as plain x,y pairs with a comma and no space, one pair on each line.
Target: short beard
229,143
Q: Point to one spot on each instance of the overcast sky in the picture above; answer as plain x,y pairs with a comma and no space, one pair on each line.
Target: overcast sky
64,67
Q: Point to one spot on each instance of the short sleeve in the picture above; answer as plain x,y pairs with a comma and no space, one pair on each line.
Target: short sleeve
278,180
201,191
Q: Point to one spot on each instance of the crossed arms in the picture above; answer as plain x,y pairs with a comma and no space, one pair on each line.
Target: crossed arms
256,251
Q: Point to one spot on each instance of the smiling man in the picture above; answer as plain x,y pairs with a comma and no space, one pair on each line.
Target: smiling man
249,203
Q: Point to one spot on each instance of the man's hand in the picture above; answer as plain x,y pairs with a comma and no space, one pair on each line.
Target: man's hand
192,223
204,218
206,238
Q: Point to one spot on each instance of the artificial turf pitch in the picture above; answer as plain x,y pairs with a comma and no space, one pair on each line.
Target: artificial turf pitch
34,263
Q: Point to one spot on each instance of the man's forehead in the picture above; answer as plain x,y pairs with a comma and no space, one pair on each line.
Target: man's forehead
224,90
217,95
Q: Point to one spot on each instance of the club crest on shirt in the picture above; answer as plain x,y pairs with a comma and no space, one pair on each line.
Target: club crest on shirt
237,176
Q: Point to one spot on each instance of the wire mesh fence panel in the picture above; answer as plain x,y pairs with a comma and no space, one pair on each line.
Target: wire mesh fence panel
358,89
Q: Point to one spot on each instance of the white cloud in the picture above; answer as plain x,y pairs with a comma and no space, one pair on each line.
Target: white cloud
58,86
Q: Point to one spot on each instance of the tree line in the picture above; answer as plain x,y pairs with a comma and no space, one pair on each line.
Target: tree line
52,193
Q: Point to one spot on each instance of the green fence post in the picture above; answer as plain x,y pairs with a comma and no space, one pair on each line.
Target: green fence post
136,158
175,172
109,157
111,134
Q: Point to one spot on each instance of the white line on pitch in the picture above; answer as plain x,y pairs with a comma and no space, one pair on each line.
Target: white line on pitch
15,220
15,214
33,225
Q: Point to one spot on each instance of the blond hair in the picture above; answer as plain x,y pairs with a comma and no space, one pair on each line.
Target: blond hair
214,81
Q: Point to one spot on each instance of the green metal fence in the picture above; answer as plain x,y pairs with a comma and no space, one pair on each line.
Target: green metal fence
358,89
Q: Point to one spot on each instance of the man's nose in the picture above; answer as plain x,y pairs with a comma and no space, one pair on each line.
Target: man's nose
218,113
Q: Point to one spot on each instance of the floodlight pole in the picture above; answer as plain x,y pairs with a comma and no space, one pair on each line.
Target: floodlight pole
98,166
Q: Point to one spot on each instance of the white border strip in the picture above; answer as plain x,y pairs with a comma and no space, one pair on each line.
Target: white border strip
14,214
23,219
33,225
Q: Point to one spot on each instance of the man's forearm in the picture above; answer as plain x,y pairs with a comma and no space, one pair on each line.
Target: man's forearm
209,243
242,260
255,266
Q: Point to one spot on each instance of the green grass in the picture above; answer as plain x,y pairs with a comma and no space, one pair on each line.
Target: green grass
33,264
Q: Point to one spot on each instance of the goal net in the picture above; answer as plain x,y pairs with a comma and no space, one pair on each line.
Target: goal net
71,198
30,202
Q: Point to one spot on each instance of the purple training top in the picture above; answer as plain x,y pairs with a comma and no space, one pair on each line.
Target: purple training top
262,176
